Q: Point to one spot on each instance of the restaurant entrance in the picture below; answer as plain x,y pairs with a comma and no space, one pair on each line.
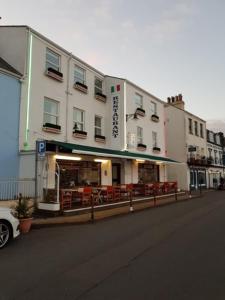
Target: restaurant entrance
116,174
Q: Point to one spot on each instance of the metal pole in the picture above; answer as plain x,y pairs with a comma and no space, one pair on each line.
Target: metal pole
36,174
92,208
58,181
131,201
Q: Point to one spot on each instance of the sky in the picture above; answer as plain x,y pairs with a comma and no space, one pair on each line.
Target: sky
166,47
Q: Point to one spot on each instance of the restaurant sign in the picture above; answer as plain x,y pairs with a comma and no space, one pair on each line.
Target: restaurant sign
115,110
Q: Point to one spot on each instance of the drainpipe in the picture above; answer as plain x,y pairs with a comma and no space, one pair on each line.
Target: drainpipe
68,93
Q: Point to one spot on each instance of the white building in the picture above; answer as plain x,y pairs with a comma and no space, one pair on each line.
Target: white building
186,142
105,130
215,142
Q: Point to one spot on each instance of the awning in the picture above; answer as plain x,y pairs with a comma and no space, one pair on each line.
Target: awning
81,149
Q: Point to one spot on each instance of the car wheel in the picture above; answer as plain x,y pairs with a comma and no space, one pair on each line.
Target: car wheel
4,234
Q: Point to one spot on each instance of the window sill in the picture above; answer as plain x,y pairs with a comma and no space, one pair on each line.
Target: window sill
80,135
141,147
101,98
53,75
100,139
155,118
81,87
156,150
51,130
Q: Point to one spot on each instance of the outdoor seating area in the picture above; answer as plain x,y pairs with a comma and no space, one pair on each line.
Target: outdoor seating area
87,196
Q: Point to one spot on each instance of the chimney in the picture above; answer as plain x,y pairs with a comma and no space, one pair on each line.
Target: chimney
176,101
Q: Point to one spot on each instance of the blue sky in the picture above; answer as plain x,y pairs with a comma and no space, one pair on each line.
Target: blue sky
165,46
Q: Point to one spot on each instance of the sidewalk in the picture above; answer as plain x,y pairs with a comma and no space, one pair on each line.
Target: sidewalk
110,212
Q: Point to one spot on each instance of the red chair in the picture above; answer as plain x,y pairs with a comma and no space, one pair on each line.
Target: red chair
107,193
66,199
86,196
149,189
116,193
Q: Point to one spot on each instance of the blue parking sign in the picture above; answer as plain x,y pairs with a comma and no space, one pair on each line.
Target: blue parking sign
41,148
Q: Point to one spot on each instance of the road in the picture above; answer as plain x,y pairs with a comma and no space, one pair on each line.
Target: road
172,252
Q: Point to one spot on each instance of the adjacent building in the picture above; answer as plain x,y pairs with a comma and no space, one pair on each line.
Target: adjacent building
10,83
186,141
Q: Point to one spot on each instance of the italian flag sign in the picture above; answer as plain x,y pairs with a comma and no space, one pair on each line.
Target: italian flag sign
115,88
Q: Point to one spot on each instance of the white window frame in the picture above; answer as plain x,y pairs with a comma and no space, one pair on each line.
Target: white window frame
99,127
190,126
138,104
53,65
201,130
79,123
97,88
50,114
76,79
153,108
196,128
139,135
154,139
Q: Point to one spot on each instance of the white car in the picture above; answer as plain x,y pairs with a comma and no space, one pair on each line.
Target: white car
9,226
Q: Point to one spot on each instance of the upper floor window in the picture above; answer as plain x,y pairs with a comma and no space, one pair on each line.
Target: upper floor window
78,119
98,86
154,139
196,128
52,60
138,101
98,125
201,131
139,135
79,75
51,111
190,126
153,108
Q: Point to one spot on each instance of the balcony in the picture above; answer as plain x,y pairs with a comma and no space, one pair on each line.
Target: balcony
53,128
100,97
81,87
201,161
50,72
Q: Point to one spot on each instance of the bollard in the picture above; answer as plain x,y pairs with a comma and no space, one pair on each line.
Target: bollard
154,198
131,202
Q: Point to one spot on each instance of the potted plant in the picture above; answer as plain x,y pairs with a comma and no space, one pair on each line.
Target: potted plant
24,214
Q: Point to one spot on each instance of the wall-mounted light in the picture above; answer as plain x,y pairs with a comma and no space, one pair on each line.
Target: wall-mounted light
140,160
100,160
133,116
65,157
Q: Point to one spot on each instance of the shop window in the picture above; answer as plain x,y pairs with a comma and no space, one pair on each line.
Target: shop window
78,119
148,172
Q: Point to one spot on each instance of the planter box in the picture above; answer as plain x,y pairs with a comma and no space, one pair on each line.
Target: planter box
141,147
80,134
49,206
54,74
100,138
53,128
140,112
100,97
81,87
156,149
154,118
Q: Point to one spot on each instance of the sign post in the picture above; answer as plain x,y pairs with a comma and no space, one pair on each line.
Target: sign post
39,154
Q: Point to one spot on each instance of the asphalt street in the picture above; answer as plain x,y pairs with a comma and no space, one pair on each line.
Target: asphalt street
171,252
